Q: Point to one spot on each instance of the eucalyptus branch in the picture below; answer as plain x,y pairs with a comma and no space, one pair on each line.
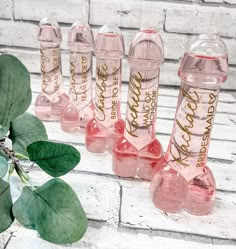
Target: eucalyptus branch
35,208
14,161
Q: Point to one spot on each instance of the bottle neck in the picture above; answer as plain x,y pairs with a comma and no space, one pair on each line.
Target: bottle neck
49,45
189,143
141,107
108,91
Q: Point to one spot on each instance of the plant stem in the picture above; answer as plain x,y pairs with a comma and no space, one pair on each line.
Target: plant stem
19,170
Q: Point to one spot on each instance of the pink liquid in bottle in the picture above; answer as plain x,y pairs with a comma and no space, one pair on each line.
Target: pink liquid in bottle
52,100
107,126
80,110
183,179
138,151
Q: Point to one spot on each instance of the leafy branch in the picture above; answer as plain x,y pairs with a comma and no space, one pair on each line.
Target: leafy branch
53,209
15,163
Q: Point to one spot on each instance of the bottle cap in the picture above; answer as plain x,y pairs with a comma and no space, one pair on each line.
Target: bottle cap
205,61
208,45
147,47
80,37
109,43
49,31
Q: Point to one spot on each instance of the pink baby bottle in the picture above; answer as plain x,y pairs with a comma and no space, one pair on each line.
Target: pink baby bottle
183,179
80,110
52,100
107,126
138,151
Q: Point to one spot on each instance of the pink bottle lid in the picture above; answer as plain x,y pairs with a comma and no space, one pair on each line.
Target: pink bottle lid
109,43
146,50
205,61
80,38
49,33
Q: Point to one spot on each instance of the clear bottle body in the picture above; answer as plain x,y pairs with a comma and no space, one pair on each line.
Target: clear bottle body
183,179
103,131
138,151
107,127
80,110
52,100
184,169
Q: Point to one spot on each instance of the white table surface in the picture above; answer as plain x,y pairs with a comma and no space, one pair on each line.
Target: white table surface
120,212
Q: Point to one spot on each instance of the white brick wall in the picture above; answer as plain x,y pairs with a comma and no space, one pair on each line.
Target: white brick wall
6,9
200,20
136,213
178,22
64,11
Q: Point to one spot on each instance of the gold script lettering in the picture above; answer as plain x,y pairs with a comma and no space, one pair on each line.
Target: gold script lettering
102,76
180,151
135,85
45,60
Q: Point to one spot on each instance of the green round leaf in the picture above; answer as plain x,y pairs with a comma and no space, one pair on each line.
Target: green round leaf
25,130
15,94
54,158
59,216
3,167
6,217
23,208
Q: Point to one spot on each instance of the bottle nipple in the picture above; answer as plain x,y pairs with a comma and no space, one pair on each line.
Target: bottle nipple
81,37
110,42
209,45
147,48
49,31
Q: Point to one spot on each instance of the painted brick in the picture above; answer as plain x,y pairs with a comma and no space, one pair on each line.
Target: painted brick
132,14
213,1
106,237
6,9
231,47
230,1
18,34
99,196
200,20
231,79
63,11
31,59
168,74
4,238
137,211
24,34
